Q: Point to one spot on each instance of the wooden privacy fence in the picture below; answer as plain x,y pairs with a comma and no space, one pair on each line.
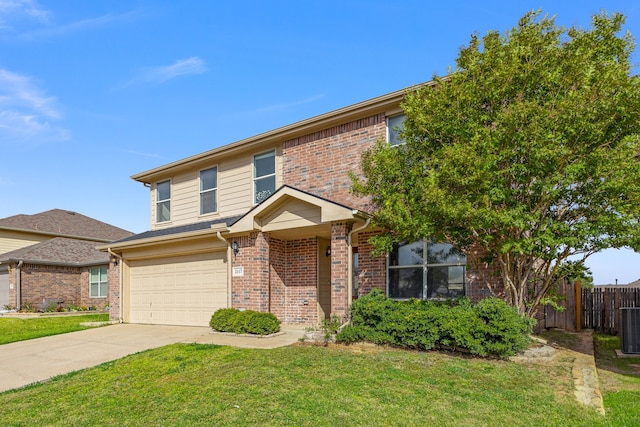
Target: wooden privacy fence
601,307
590,308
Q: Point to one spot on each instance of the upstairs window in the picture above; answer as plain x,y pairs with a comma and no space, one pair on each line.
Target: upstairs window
209,191
395,125
439,274
98,282
264,176
163,201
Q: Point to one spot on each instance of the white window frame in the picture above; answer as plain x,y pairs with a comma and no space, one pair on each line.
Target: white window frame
102,282
392,134
208,190
259,178
425,265
162,202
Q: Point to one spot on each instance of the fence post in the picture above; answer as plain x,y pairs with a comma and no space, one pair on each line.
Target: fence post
578,294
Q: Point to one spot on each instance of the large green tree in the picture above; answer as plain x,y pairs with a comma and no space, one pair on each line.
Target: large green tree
527,151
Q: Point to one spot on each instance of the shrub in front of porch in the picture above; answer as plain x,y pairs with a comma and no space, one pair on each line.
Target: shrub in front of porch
490,327
244,322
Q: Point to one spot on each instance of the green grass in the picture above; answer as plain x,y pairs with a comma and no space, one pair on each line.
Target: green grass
13,329
619,381
301,386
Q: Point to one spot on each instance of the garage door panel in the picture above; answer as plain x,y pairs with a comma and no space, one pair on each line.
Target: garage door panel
178,290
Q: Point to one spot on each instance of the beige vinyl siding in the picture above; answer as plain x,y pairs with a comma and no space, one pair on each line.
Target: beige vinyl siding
12,240
294,214
235,190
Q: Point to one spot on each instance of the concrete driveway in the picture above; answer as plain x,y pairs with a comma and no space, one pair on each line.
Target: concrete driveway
25,362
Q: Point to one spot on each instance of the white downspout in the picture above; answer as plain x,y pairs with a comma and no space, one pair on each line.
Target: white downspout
18,285
121,277
350,260
229,268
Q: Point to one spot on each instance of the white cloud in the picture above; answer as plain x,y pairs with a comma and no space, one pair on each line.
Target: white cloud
181,67
16,10
77,26
26,113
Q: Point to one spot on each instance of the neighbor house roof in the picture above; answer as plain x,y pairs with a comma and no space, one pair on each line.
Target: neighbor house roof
59,251
58,222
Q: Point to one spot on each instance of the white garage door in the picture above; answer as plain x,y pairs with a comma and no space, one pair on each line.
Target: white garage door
182,290
4,289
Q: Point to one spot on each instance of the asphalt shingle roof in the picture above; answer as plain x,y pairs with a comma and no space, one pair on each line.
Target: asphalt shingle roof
180,229
59,251
65,223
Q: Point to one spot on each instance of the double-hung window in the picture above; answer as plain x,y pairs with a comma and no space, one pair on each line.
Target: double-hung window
439,274
163,201
395,125
264,176
98,282
209,191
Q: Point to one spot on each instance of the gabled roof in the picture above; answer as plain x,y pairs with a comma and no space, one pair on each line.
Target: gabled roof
290,207
59,251
58,222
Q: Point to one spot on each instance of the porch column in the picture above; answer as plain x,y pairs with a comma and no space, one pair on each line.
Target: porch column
339,268
251,289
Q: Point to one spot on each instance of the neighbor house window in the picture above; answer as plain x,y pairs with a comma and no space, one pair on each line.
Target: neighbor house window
395,124
98,282
208,191
439,274
264,176
163,201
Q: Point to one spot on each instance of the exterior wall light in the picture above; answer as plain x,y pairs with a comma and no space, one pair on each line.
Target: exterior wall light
328,252
235,247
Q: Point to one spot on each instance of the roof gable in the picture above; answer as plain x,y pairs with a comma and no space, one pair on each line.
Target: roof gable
58,222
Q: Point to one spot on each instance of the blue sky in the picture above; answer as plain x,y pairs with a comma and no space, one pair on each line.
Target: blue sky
92,92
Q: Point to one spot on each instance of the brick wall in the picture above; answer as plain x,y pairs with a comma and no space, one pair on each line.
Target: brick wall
301,283
113,290
43,283
339,268
251,291
320,162
372,270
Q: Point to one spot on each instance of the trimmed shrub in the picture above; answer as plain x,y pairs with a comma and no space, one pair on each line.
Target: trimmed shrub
244,322
489,327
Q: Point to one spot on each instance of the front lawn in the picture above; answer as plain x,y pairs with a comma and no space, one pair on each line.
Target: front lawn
14,329
189,384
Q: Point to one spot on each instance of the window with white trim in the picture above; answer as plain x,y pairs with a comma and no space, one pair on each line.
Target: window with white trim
163,201
441,274
395,125
264,176
209,191
98,282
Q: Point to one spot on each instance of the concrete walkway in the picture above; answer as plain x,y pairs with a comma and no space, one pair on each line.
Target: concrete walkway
26,362
585,374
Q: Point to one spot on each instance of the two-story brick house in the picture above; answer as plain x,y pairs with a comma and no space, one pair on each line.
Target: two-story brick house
269,223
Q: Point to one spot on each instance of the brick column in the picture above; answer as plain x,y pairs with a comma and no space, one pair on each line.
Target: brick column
251,291
113,289
339,268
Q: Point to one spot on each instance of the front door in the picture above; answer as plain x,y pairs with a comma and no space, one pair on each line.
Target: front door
324,279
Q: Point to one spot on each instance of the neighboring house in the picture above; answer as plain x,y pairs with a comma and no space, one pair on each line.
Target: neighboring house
52,257
269,223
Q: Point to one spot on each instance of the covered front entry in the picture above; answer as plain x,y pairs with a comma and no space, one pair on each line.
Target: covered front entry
179,290
293,257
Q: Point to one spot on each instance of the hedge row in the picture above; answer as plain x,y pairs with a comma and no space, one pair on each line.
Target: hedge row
490,327
244,322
